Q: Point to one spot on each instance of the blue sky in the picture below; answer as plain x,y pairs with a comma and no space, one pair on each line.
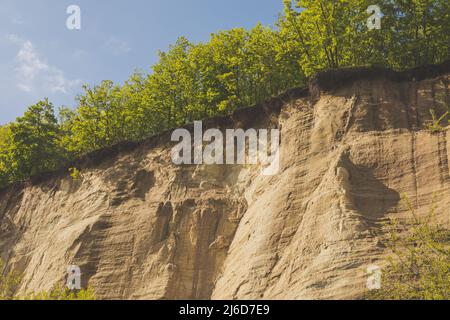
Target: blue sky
40,57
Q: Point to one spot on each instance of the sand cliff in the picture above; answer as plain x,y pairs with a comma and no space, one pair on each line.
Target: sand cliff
141,227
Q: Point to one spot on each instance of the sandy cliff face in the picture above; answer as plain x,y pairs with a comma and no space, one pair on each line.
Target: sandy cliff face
141,227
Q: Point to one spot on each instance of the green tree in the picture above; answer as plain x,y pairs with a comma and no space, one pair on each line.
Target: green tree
334,34
420,31
322,32
420,263
169,83
99,121
234,68
32,144
5,156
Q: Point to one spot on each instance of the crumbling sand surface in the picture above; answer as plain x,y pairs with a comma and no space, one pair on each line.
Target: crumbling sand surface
141,227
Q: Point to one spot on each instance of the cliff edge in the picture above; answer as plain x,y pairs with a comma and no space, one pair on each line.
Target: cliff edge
141,227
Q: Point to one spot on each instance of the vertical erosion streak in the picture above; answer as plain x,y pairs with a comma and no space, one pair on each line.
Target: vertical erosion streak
443,158
414,164
405,99
416,107
374,113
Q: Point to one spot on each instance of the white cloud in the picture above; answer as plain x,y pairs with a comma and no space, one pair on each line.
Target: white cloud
15,39
34,74
117,46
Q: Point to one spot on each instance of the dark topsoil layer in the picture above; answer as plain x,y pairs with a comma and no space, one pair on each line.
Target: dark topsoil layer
326,81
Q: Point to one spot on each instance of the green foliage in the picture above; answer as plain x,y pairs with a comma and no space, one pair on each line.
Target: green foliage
98,121
420,32
75,174
10,282
5,141
31,145
63,294
234,68
333,34
191,81
435,126
420,263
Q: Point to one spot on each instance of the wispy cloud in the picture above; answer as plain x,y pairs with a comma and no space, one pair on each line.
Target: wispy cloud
117,46
34,74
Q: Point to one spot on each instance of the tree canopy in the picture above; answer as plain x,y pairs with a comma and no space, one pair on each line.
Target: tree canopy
234,68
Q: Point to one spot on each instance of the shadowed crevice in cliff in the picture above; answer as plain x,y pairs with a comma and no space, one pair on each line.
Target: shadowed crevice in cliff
203,230
370,196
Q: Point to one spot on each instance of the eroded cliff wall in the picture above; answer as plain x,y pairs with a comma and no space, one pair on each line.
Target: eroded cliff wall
141,227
